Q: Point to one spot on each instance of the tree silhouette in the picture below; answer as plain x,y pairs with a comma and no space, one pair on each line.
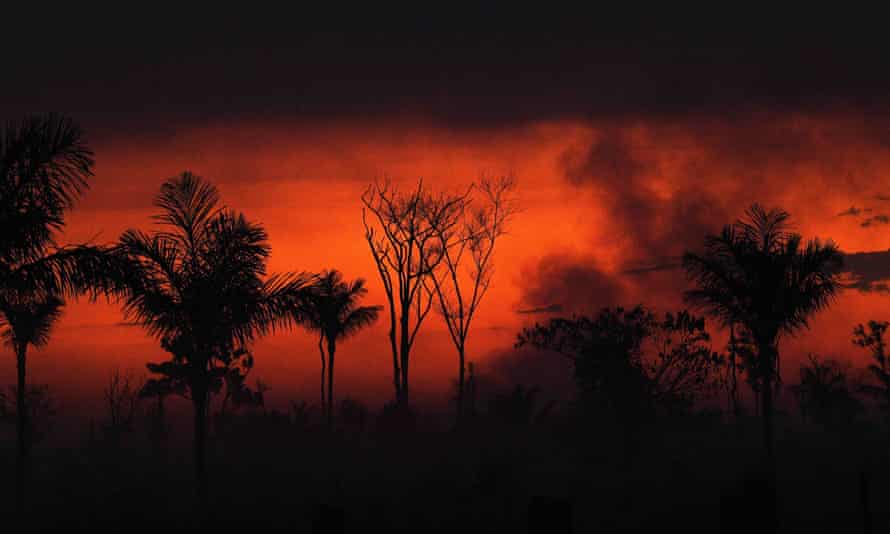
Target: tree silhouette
404,233
199,285
823,393
630,363
44,168
470,392
872,340
40,405
684,369
332,310
122,398
467,263
519,406
606,353
159,387
238,394
758,275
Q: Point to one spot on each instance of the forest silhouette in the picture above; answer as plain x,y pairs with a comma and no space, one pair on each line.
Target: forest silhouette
668,428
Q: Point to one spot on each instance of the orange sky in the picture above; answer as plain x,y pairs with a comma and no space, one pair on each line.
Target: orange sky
595,198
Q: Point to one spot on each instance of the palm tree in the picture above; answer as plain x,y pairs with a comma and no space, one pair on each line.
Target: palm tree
333,312
26,323
761,277
44,168
199,286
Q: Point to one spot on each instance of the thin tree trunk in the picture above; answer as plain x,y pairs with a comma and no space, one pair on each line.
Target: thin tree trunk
21,429
405,349
405,399
324,409
471,389
396,374
460,384
332,348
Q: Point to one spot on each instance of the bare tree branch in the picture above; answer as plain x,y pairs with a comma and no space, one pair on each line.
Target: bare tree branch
464,271
403,231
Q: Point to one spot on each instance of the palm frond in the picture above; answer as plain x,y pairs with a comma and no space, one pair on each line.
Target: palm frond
766,228
25,233
48,156
234,246
332,306
187,202
44,168
358,319
71,271
286,301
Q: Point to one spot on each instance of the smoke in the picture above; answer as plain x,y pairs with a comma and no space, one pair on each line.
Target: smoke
563,283
665,185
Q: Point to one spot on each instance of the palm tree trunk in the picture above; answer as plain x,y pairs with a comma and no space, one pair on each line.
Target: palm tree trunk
331,349
199,402
324,410
21,428
767,412
766,397
767,357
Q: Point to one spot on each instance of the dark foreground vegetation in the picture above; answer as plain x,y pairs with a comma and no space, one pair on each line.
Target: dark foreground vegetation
697,473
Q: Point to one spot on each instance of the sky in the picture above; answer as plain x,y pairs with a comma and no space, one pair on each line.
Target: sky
629,142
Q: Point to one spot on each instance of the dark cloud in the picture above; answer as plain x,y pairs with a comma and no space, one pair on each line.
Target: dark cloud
876,220
666,264
480,68
868,271
854,211
552,308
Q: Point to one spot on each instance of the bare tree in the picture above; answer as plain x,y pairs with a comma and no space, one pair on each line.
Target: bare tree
404,230
467,264
122,403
